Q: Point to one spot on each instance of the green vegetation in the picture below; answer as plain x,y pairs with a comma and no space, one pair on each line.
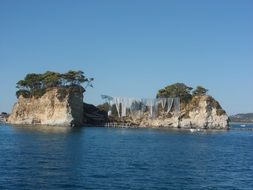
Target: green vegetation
199,91
182,91
176,90
35,85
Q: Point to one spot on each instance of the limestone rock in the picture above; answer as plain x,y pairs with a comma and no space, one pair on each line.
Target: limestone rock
205,113
58,106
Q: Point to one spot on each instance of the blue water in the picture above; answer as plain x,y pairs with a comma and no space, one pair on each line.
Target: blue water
110,158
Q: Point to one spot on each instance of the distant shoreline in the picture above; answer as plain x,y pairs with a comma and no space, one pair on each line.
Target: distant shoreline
243,123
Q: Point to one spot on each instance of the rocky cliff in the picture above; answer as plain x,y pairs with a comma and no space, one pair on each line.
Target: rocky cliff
203,112
200,112
58,106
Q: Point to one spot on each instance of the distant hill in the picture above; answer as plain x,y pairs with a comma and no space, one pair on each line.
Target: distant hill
242,118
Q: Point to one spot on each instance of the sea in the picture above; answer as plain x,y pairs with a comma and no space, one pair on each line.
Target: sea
125,158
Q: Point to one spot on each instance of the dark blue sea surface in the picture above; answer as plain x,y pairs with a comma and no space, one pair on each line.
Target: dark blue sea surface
120,158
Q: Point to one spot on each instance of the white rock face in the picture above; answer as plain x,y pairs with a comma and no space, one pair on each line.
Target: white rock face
50,109
205,117
206,114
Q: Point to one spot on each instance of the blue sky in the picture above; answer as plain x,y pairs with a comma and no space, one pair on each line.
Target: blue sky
132,47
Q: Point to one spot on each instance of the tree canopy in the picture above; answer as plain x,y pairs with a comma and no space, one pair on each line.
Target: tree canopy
175,90
182,91
199,91
36,84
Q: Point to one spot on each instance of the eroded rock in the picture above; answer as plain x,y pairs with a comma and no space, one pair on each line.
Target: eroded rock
58,106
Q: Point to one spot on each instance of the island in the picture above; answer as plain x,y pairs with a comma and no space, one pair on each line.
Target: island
53,98
50,98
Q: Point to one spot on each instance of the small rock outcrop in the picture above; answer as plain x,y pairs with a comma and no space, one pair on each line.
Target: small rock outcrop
3,117
58,106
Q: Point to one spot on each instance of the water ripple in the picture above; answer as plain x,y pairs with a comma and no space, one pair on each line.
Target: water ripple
105,158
